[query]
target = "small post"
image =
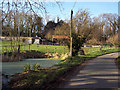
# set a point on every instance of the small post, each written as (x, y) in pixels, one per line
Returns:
(13, 49)
(54, 50)
(63, 50)
(6, 48)
(46, 49)
(37, 47)
(29, 47)
(24, 47)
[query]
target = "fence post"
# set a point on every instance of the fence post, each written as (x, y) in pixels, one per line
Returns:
(6, 48)
(13, 48)
(24, 47)
(54, 50)
(63, 50)
(29, 47)
(37, 47)
(3, 51)
(6, 52)
(46, 49)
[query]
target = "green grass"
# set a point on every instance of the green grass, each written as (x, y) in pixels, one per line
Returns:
(8, 43)
(47, 48)
(41, 48)
(41, 79)
(89, 50)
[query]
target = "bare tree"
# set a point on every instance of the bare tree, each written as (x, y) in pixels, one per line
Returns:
(14, 22)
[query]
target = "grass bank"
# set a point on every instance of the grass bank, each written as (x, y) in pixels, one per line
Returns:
(46, 78)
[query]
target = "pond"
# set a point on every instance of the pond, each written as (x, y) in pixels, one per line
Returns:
(10, 68)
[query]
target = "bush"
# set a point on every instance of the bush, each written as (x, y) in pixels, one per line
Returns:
(27, 67)
(36, 67)
(76, 43)
(82, 52)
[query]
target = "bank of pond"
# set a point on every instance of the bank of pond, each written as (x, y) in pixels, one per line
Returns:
(9, 69)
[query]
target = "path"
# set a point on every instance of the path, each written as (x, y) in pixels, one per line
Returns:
(100, 72)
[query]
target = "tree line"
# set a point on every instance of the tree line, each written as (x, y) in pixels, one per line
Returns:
(22, 24)
(103, 29)
(20, 19)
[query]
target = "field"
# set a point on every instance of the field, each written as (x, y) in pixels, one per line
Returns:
(5, 47)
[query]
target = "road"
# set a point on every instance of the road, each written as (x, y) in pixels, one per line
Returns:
(101, 72)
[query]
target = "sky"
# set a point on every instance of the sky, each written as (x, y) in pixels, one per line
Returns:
(94, 8)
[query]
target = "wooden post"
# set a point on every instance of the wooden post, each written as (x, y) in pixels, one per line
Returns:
(63, 50)
(6, 49)
(37, 47)
(13, 48)
(24, 47)
(29, 47)
(2, 51)
(71, 36)
(19, 48)
(54, 50)
(46, 49)
(6, 52)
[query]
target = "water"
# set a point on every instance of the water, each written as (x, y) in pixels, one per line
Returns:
(10, 68)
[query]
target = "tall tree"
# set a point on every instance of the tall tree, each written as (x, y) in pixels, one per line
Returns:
(82, 22)
(39, 25)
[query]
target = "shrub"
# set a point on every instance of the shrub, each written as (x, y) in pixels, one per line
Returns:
(76, 43)
(36, 66)
(27, 67)
(82, 52)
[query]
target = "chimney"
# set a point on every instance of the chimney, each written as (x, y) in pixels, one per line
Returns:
(57, 19)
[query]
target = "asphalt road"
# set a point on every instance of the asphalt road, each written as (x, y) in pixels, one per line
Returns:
(100, 72)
